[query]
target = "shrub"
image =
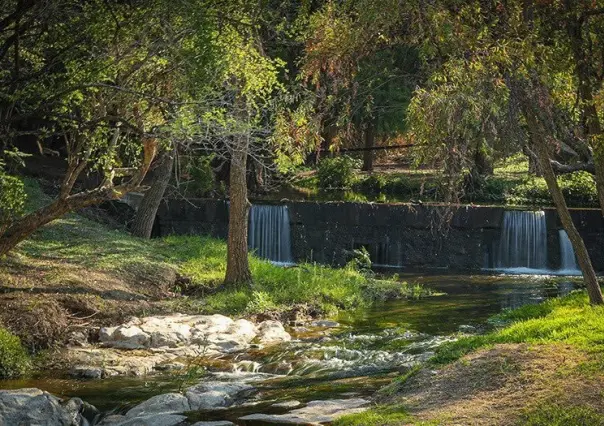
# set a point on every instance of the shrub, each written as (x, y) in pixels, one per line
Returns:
(372, 185)
(403, 186)
(12, 198)
(202, 175)
(336, 172)
(14, 360)
(579, 189)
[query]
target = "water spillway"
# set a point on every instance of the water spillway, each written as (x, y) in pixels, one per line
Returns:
(523, 242)
(568, 261)
(269, 233)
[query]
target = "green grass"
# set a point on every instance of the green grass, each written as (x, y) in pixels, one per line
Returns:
(382, 416)
(89, 245)
(14, 360)
(570, 320)
(562, 415)
(275, 288)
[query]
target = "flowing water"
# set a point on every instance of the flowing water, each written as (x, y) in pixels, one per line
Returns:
(523, 242)
(269, 233)
(568, 260)
(364, 353)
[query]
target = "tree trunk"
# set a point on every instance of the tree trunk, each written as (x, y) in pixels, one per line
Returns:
(27, 225)
(369, 144)
(589, 275)
(593, 127)
(238, 268)
(147, 210)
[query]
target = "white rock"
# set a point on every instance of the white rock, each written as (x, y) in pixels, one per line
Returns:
(213, 395)
(167, 403)
(272, 332)
(315, 412)
(129, 337)
(287, 404)
(218, 423)
(165, 331)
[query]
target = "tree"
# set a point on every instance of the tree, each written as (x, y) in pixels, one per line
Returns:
(142, 225)
(498, 77)
(104, 80)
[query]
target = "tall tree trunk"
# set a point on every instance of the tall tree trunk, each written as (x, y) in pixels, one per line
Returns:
(147, 210)
(593, 127)
(238, 268)
(368, 154)
(542, 148)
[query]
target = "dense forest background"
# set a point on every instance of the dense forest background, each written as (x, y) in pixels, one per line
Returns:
(423, 101)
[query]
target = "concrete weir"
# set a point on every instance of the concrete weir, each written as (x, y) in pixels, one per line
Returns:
(398, 235)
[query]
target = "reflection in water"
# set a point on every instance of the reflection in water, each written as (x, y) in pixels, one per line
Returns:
(370, 347)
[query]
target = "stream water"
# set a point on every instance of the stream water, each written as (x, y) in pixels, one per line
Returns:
(365, 352)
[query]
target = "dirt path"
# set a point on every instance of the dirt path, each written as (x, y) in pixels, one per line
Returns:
(499, 386)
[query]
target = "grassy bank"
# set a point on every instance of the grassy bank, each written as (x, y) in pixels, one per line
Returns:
(542, 365)
(76, 274)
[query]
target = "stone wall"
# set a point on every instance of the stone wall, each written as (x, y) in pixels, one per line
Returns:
(394, 234)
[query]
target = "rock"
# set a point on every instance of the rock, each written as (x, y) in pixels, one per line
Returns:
(270, 331)
(213, 395)
(167, 403)
(166, 331)
(315, 412)
(467, 329)
(148, 420)
(86, 372)
(325, 323)
(218, 423)
(36, 407)
(129, 337)
(287, 404)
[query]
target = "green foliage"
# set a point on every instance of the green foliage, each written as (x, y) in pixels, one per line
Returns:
(579, 190)
(336, 172)
(12, 198)
(373, 184)
(571, 320)
(202, 175)
(563, 415)
(14, 360)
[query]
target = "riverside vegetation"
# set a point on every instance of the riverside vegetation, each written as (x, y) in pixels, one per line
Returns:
(546, 357)
(78, 272)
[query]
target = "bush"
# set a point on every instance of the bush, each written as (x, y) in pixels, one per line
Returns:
(202, 175)
(12, 198)
(404, 187)
(579, 189)
(14, 360)
(336, 172)
(371, 185)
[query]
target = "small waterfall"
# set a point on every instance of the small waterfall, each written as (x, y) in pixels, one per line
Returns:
(568, 261)
(269, 233)
(523, 243)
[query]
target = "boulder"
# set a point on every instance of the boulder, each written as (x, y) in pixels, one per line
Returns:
(167, 403)
(147, 420)
(315, 412)
(271, 331)
(35, 407)
(129, 337)
(213, 395)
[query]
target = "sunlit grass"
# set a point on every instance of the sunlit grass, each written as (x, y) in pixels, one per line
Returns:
(571, 320)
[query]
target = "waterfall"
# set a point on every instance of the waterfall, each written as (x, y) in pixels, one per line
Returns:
(568, 261)
(523, 243)
(269, 233)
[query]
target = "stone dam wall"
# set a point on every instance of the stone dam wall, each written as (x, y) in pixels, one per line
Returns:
(401, 235)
